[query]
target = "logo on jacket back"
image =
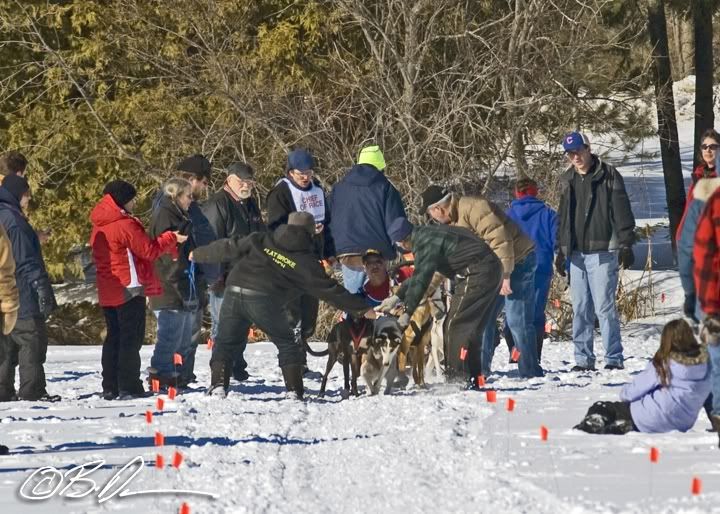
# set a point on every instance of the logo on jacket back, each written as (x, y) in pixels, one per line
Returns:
(280, 259)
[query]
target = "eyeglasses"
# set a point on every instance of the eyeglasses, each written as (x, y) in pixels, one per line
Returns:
(712, 147)
(573, 153)
(304, 173)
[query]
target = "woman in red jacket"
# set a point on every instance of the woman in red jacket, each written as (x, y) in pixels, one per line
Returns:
(124, 256)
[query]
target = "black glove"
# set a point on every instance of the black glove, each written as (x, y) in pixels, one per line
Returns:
(626, 257)
(46, 297)
(560, 264)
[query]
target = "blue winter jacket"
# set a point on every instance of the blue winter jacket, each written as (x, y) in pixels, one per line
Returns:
(655, 408)
(540, 223)
(29, 264)
(362, 206)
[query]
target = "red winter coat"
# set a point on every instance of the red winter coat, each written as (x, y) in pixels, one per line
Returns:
(702, 171)
(124, 253)
(706, 255)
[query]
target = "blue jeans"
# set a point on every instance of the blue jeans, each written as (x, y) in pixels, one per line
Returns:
(520, 317)
(713, 402)
(352, 280)
(593, 284)
(174, 335)
(214, 304)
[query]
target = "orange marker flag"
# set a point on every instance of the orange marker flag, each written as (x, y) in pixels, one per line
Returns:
(155, 385)
(696, 486)
(172, 392)
(515, 354)
(160, 404)
(148, 417)
(543, 433)
(654, 454)
(510, 405)
(184, 509)
(481, 380)
(463, 353)
(491, 396)
(159, 461)
(177, 459)
(159, 439)
(177, 359)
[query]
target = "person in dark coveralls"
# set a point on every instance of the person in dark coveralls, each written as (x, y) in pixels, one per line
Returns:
(456, 253)
(270, 270)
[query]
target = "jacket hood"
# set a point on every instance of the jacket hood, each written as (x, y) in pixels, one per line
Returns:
(293, 238)
(8, 198)
(364, 175)
(705, 187)
(691, 372)
(527, 207)
(107, 211)
(702, 171)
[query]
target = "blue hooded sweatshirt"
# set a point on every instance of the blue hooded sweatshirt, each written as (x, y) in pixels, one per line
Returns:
(540, 223)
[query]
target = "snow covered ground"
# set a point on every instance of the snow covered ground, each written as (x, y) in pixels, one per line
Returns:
(436, 450)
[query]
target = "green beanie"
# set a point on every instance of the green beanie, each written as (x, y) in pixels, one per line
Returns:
(372, 155)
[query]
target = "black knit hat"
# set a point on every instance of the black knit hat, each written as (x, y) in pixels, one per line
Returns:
(120, 191)
(431, 196)
(196, 165)
(302, 219)
(17, 186)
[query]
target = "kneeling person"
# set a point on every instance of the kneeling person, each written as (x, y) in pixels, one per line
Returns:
(269, 271)
(455, 253)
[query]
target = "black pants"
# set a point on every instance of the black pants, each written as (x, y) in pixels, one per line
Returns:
(26, 347)
(476, 291)
(121, 349)
(242, 308)
(608, 418)
(303, 313)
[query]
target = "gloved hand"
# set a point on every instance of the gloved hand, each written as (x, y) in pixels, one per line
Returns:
(8, 321)
(560, 264)
(404, 320)
(626, 257)
(388, 304)
(46, 297)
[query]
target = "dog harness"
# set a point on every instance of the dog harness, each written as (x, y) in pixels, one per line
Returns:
(357, 336)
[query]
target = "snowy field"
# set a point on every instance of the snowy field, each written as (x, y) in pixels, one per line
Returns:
(436, 450)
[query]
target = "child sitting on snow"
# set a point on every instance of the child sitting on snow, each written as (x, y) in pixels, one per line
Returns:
(666, 396)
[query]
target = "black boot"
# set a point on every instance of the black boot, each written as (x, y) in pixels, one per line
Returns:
(219, 376)
(4, 450)
(293, 376)
(539, 343)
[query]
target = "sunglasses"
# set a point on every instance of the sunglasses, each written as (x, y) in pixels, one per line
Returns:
(712, 147)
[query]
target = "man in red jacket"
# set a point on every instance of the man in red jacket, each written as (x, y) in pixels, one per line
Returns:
(706, 255)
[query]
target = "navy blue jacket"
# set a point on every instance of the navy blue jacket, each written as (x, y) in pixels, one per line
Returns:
(29, 264)
(362, 206)
(540, 223)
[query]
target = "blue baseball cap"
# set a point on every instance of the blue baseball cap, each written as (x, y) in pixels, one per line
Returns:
(300, 159)
(575, 141)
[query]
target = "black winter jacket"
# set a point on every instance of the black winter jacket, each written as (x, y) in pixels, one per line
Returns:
(174, 274)
(279, 206)
(30, 273)
(281, 264)
(609, 221)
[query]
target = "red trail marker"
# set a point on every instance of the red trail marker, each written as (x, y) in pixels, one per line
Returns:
(159, 461)
(159, 439)
(654, 454)
(515, 354)
(177, 459)
(148, 417)
(184, 509)
(543, 433)
(491, 396)
(160, 404)
(155, 385)
(510, 405)
(177, 359)
(172, 392)
(696, 486)
(481, 380)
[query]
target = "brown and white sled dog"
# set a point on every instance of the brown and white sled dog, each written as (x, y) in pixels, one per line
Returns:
(347, 342)
(379, 362)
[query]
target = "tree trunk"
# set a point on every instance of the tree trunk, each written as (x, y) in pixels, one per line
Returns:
(704, 116)
(667, 124)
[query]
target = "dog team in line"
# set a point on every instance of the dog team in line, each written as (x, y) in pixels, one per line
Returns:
(406, 289)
